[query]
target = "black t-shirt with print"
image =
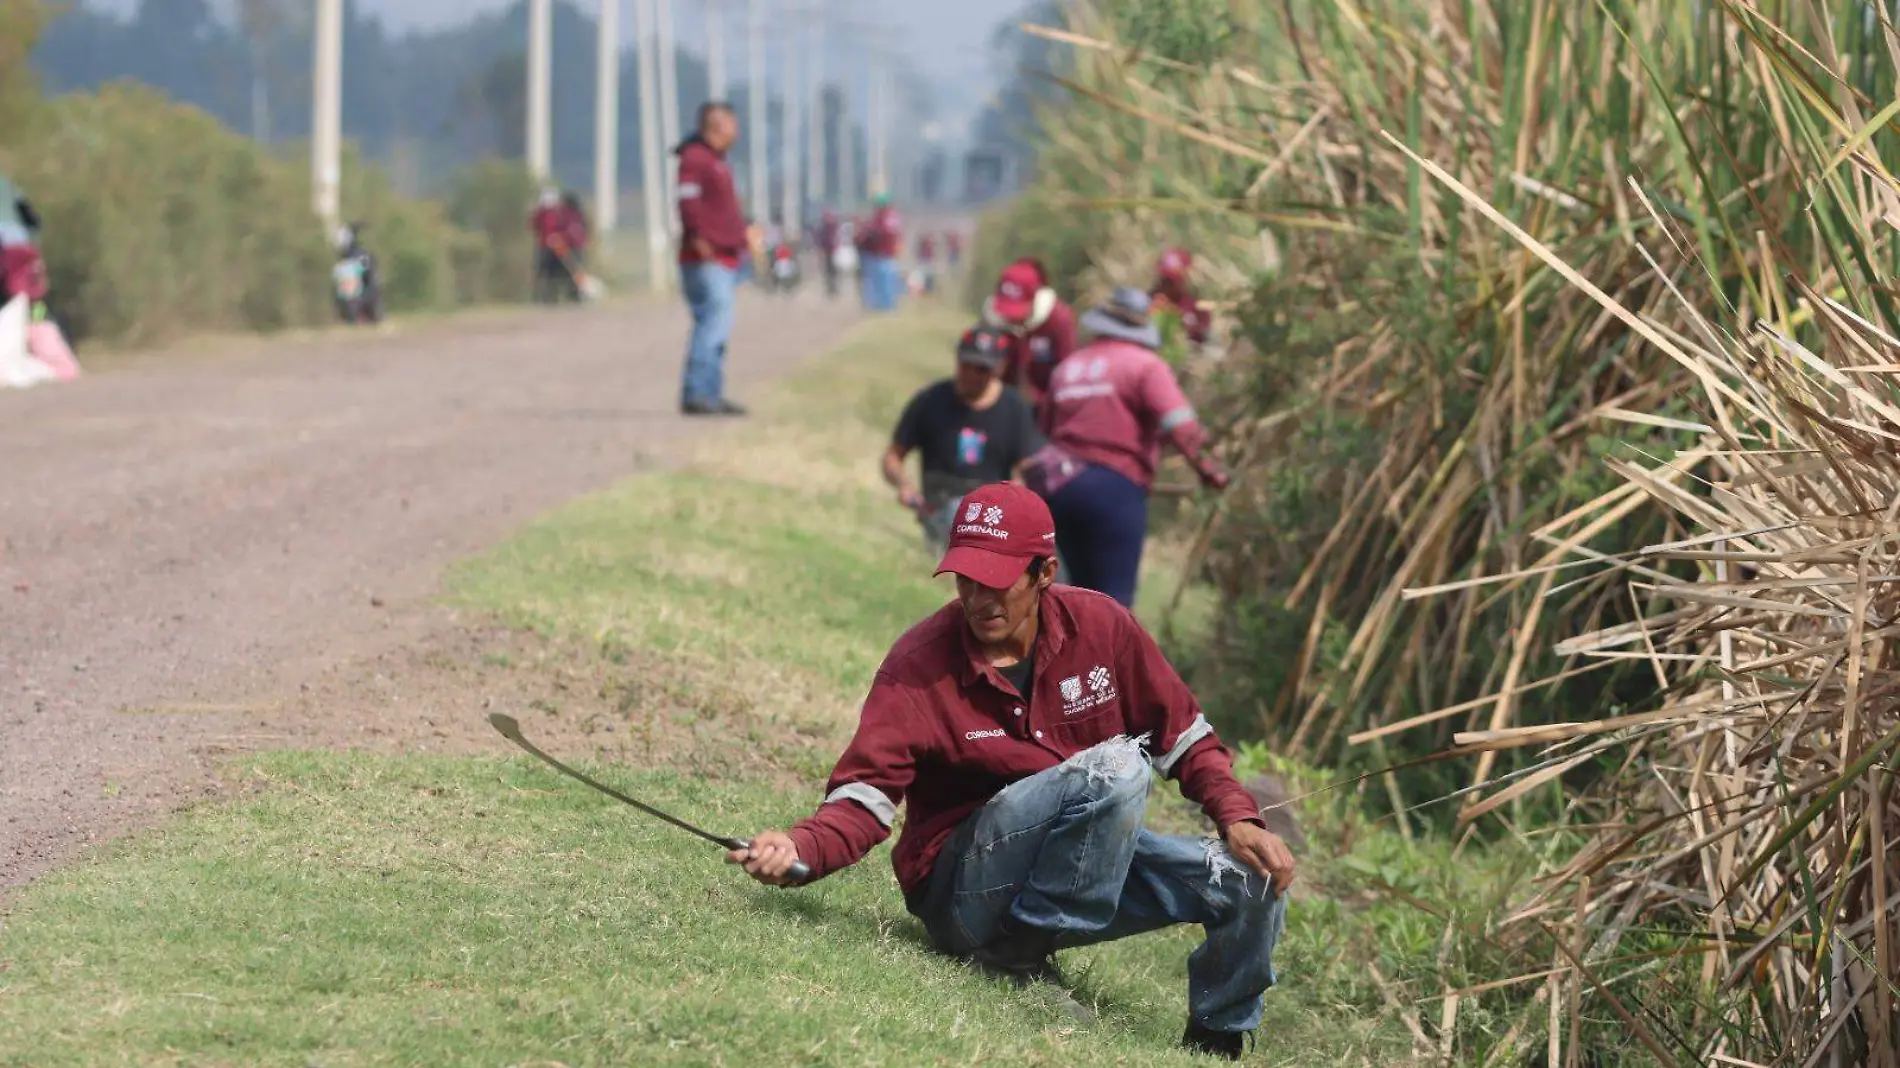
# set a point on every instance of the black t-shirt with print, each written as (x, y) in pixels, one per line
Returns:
(962, 448)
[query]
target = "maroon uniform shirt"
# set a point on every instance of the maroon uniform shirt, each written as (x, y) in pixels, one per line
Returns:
(1113, 403)
(548, 224)
(943, 732)
(1178, 294)
(1033, 355)
(709, 206)
(884, 234)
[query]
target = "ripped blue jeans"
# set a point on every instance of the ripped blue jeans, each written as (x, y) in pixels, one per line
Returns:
(1064, 851)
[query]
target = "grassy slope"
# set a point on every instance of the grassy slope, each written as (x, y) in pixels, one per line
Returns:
(354, 910)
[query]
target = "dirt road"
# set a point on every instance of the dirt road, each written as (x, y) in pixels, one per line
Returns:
(178, 531)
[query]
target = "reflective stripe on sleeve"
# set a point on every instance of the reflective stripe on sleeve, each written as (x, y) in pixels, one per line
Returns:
(871, 798)
(1196, 731)
(1176, 418)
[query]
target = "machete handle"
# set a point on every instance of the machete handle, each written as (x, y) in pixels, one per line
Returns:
(799, 872)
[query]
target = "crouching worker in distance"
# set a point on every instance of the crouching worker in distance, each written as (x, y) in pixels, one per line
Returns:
(1023, 723)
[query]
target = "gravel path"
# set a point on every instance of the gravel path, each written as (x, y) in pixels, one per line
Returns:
(177, 532)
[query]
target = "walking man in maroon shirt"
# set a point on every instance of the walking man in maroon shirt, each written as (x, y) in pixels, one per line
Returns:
(712, 238)
(1023, 724)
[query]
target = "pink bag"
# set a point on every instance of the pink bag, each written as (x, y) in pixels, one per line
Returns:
(1049, 469)
(47, 345)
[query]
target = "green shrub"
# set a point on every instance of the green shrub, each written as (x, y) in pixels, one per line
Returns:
(489, 200)
(159, 220)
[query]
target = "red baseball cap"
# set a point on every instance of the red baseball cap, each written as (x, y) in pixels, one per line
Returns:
(998, 530)
(1016, 291)
(1174, 263)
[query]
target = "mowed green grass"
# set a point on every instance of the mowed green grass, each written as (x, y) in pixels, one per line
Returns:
(348, 909)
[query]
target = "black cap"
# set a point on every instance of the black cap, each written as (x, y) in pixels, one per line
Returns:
(983, 347)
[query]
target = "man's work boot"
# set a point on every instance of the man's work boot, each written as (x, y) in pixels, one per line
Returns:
(1227, 1045)
(1024, 956)
(1020, 953)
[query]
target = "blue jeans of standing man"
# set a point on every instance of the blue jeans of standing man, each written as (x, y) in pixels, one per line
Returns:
(709, 293)
(881, 282)
(1064, 851)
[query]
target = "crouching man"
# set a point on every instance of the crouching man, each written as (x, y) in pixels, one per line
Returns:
(1022, 724)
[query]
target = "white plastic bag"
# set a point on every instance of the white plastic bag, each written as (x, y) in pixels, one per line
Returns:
(18, 369)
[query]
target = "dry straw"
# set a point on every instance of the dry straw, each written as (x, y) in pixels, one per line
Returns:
(1645, 429)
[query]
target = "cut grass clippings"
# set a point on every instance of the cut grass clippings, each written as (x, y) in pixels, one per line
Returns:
(348, 909)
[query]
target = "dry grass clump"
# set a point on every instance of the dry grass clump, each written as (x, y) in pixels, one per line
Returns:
(1753, 831)
(1586, 326)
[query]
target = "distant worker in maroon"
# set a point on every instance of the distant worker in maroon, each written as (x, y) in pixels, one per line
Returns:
(1023, 725)
(1173, 290)
(1041, 324)
(713, 236)
(1111, 405)
(553, 277)
(880, 242)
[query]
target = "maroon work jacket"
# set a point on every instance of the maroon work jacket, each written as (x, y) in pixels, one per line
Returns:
(943, 732)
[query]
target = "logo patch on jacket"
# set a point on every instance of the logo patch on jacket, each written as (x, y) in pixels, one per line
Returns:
(1082, 694)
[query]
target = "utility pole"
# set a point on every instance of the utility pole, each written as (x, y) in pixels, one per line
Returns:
(790, 185)
(884, 89)
(669, 99)
(819, 172)
(326, 126)
(653, 182)
(755, 134)
(877, 104)
(847, 152)
(716, 82)
(607, 119)
(540, 67)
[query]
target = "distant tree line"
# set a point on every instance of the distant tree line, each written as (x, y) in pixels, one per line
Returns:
(423, 103)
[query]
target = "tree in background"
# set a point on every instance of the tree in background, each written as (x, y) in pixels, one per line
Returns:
(265, 24)
(494, 103)
(1006, 129)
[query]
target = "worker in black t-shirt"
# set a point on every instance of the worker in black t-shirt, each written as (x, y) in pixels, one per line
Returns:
(971, 430)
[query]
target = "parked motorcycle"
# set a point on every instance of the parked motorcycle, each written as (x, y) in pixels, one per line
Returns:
(353, 279)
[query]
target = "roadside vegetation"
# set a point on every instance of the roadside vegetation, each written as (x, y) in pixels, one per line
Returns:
(349, 909)
(160, 221)
(1562, 398)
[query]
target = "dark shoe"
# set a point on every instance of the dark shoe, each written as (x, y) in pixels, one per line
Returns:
(720, 406)
(1227, 1045)
(1025, 959)
(1017, 965)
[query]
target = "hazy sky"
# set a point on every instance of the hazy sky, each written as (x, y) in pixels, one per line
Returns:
(949, 38)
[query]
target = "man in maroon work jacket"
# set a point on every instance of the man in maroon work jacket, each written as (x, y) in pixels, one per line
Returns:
(1040, 323)
(712, 238)
(1022, 724)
